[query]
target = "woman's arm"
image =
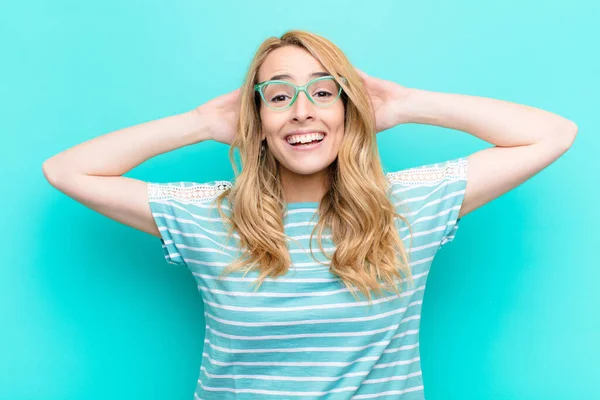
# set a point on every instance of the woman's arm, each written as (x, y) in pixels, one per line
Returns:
(118, 152)
(90, 172)
(526, 139)
(498, 122)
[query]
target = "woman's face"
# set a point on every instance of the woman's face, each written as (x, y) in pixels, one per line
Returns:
(303, 115)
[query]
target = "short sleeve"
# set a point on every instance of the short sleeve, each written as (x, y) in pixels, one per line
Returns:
(181, 211)
(431, 196)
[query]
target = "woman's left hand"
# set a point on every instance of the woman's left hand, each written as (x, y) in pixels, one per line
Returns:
(387, 98)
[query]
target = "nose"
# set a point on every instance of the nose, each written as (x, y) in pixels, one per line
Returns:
(302, 108)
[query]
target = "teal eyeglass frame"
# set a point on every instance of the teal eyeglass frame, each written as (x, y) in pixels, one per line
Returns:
(259, 86)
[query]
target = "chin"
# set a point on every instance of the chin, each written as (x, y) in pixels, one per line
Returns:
(308, 169)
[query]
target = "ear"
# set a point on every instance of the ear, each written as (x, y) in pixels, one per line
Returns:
(263, 135)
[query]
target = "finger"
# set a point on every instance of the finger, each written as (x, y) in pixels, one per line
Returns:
(235, 94)
(361, 73)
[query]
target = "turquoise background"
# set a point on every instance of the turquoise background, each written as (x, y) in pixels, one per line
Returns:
(89, 309)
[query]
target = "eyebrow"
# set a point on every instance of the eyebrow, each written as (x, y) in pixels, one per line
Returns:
(286, 76)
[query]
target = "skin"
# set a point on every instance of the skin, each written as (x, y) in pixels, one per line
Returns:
(303, 173)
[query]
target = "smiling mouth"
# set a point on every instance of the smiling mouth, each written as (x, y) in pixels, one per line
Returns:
(306, 146)
(312, 143)
(300, 144)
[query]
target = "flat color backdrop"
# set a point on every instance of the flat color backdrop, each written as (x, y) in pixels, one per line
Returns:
(89, 309)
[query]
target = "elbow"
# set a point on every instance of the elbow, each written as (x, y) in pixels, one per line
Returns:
(568, 134)
(572, 133)
(51, 171)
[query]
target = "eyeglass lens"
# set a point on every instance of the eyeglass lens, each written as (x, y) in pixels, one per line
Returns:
(323, 92)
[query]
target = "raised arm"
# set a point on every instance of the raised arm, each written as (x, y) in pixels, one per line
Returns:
(91, 172)
(526, 139)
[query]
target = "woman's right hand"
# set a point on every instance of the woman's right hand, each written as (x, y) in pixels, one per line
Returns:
(221, 115)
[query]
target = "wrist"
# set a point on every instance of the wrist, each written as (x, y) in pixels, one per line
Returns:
(413, 107)
(199, 126)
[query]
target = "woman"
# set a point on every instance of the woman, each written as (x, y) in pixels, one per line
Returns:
(288, 254)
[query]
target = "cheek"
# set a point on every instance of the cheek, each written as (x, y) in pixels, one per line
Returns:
(339, 114)
(267, 125)
(272, 124)
(336, 121)
(269, 119)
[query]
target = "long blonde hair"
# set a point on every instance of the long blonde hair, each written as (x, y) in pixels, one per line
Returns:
(356, 208)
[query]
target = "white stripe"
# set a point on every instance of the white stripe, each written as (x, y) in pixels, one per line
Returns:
(288, 393)
(285, 378)
(213, 205)
(305, 363)
(301, 335)
(314, 321)
(436, 201)
(392, 378)
(314, 307)
(389, 392)
(406, 333)
(301, 210)
(432, 217)
(306, 251)
(278, 280)
(314, 335)
(294, 280)
(273, 392)
(196, 235)
(313, 349)
(198, 249)
(309, 378)
(290, 294)
(212, 219)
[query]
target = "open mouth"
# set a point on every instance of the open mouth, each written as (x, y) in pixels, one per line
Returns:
(307, 143)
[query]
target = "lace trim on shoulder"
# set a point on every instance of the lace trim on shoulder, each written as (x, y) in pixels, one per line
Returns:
(197, 193)
(453, 170)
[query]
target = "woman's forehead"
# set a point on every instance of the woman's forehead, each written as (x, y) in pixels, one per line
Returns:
(294, 63)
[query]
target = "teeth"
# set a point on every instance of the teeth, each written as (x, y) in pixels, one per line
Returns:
(305, 138)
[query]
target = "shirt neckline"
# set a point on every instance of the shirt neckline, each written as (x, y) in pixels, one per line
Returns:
(302, 204)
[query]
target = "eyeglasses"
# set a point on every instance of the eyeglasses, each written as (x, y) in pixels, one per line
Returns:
(280, 95)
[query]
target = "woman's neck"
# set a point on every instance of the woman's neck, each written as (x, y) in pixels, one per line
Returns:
(299, 188)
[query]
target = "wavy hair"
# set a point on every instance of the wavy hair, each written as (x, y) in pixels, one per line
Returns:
(357, 208)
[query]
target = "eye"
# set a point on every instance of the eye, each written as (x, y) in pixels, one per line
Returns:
(281, 97)
(326, 94)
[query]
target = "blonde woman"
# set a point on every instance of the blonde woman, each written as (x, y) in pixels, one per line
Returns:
(312, 262)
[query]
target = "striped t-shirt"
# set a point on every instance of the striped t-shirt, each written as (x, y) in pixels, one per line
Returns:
(303, 335)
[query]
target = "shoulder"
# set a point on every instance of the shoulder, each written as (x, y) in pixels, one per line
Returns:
(184, 212)
(430, 174)
(431, 197)
(187, 192)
